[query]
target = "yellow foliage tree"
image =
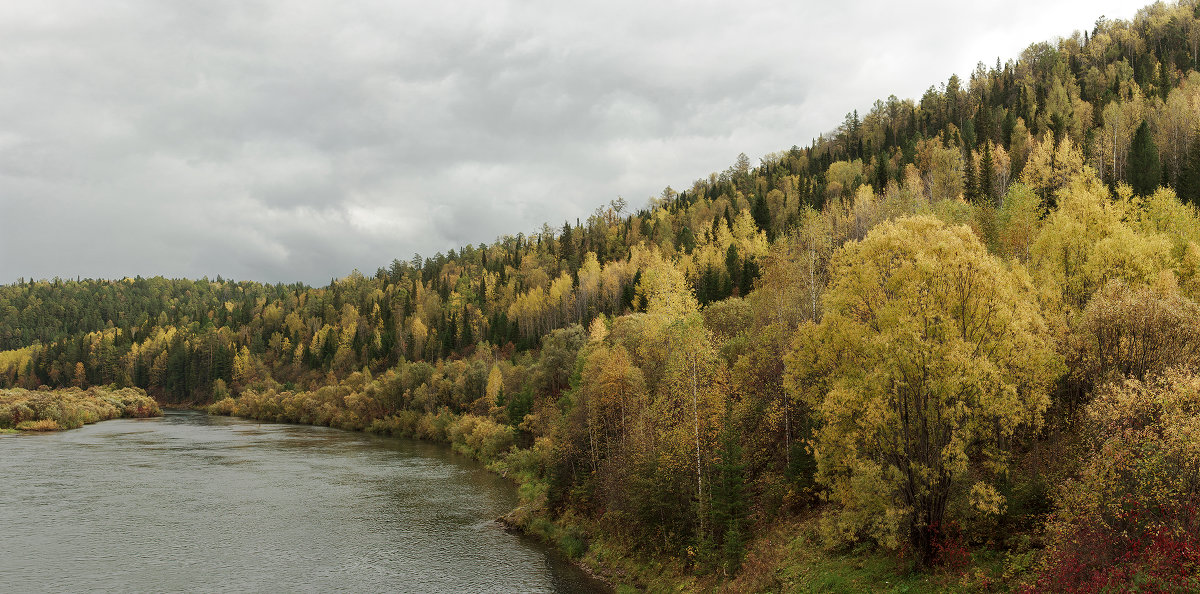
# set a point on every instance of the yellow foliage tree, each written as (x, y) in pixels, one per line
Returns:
(1051, 168)
(1086, 241)
(931, 353)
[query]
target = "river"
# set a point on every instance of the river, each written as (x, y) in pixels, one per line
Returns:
(198, 503)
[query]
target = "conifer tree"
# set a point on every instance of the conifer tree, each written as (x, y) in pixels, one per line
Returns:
(762, 215)
(728, 511)
(881, 170)
(733, 266)
(1189, 177)
(1144, 167)
(986, 174)
(970, 187)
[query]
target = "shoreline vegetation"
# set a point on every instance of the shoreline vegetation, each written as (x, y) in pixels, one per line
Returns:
(476, 437)
(71, 408)
(788, 556)
(473, 436)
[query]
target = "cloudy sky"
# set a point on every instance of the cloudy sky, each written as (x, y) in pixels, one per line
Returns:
(285, 140)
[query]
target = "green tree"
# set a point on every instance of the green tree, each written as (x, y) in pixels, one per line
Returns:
(762, 215)
(1145, 171)
(728, 510)
(1189, 176)
(986, 175)
(733, 266)
(971, 190)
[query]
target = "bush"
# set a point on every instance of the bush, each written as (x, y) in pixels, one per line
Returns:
(1133, 515)
(225, 406)
(46, 410)
(480, 437)
(39, 425)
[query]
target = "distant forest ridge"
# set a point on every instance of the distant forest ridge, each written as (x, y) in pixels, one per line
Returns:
(1113, 94)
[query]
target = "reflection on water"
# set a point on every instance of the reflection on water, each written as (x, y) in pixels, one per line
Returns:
(190, 502)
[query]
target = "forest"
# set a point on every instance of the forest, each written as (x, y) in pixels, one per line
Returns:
(960, 333)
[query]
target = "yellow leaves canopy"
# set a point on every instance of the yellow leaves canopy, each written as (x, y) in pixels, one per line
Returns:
(931, 351)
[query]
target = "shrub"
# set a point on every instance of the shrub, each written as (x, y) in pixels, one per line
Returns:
(1133, 515)
(225, 406)
(39, 425)
(47, 410)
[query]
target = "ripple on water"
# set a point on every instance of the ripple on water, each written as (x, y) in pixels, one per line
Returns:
(196, 503)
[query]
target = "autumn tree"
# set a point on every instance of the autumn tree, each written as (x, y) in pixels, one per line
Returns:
(691, 386)
(1087, 240)
(1134, 331)
(1017, 222)
(1051, 167)
(931, 353)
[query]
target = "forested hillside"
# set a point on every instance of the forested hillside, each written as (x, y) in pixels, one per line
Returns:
(925, 329)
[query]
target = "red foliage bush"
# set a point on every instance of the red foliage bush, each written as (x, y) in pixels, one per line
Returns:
(1158, 552)
(949, 548)
(1131, 521)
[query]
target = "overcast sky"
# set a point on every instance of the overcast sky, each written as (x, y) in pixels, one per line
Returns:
(286, 140)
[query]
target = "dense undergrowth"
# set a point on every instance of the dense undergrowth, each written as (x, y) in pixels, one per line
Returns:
(71, 408)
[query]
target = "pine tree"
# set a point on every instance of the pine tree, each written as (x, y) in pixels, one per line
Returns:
(468, 334)
(733, 267)
(686, 240)
(881, 171)
(566, 243)
(749, 275)
(762, 215)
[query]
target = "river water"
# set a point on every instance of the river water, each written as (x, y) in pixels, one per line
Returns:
(195, 503)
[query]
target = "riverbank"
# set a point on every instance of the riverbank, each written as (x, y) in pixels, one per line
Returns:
(786, 556)
(470, 435)
(271, 506)
(71, 408)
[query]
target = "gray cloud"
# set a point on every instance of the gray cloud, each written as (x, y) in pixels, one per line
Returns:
(284, 141)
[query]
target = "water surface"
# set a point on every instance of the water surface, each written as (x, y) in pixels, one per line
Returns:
(190, 502)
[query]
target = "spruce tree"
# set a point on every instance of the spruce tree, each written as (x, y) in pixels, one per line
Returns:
(1189, 177)
(733, 268)
(881, 171)
(728, 510)
(749, 275)
(986, 174)
(1144, 167)
(468, 334)
(762, 215)
(970, 188)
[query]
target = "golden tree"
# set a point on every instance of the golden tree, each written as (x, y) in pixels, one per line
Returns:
(931, 353)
